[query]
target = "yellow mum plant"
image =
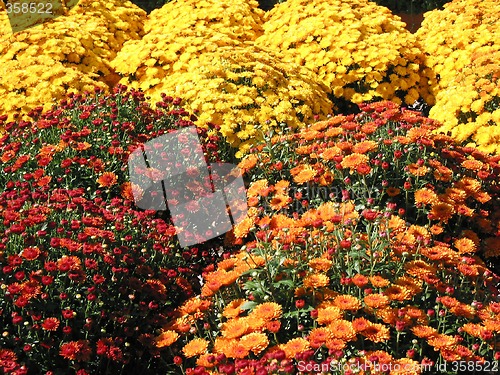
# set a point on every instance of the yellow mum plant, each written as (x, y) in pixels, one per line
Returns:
(179, 32)
(449, 38)
(71, 51)
(357, 48)
(37, 81)
(247, 91)
(469, 107)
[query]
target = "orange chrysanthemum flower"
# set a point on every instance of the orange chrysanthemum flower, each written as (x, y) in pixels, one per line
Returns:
(342, 329)
(167, 338)
(319, 336)
(330, 153)
(347, 302)
(376, 332)
(441, 341)
(255, 324)
(316, 280)
(473, 329)
(237, 350)
(258, 188)
(234, 328)
(248, 162)
(335, 344)
(398, 293)
(412, 284)
(354, 160)
(255, 342)
(233, 308)
(419, 268)
(327, 211)
(369, 128)
(449, 301)
(295, 346)
(437, 252)
(396, 224)
(273, 326)
(206, 360)
(472, 164)
(364, 147)
(282, 186)
(195, 347)
(424, 332)
(378, 281)
(82, 146)
(469, 270)
(359, 280)
(328, 314)
(267, 311)
(464, 310)
(425, 196)
(443, 174)
(320, 264)
(376, 300)
(333, 132)
(279, 201)
(241, 229)
(360, 324)
(465, 245)
(469, 185)
(441, 211)
(126, 191)
(303, 173)
(107, 179)
(417, 170)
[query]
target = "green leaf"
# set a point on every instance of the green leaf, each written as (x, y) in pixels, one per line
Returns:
(249, 305)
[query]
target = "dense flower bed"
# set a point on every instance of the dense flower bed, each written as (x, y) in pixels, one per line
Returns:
(249, 91)
(461, 43)
(179, 33)
(372, 237)
(363, 246)
(86, 277)
(357, 48)
(69, 53)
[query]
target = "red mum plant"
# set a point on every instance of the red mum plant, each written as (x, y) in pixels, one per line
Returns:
(86, 277)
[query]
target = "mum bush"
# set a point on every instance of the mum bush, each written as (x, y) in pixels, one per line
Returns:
(247, 91)
(449, 37)
(87, 277)
(361, 254)
(469, 108)
(357, 48)
(68, 53)
(178, 33)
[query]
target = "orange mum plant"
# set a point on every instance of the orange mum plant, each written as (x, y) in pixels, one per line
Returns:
(368, 246)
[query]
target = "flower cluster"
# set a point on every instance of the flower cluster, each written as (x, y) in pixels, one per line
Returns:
(469, 108)
(86, 277)
(449, 37)
(67, 53)
(248, 91)
(383, 271)
(357, 48)
(179, 32)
